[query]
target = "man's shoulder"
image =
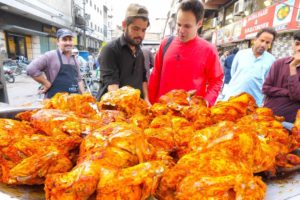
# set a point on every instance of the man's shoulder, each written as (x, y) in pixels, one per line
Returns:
(114, 43)
(206, 46)
(282, 61)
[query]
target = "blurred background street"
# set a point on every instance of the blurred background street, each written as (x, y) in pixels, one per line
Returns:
(23, 91)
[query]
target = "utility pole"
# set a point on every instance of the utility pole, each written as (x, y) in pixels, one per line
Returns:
(84, 26)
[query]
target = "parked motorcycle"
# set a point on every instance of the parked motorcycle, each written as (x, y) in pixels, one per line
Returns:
(91, 84)
(15, 66)
(22, 63)
(8, 74)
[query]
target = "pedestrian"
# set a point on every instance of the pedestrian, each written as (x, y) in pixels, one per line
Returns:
(149, 60)
(251, 66)
(62, 73)
(81, 61)
(189, 62)
(227, 69)
(282, 85)
(223, 58)
(228, 64)
(122, 60)
(91, 61)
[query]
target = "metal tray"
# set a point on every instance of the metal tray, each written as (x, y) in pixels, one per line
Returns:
(287, 188)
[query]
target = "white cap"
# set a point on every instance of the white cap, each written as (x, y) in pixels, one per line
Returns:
(75, 50)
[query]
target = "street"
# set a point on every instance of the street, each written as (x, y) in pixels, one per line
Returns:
(23, 91)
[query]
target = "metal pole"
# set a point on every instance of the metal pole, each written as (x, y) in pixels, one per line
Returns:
(84, 26)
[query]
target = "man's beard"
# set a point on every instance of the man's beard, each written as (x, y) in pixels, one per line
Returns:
(132, 41)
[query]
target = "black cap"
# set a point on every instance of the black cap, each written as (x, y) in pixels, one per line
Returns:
(63, 32)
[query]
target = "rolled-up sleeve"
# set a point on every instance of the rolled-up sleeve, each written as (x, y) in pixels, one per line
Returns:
(37, 66)
(109, 66)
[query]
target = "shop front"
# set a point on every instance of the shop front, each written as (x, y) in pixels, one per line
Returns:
(284, 17)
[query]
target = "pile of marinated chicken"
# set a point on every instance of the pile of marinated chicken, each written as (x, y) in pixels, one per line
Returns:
(120, 148)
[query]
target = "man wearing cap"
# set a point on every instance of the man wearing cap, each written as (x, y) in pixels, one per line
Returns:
(57, 70)
(122, 60)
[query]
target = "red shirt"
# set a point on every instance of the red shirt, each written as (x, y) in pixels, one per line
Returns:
(193, 65)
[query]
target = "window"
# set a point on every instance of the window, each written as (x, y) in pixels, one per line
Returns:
(91, 3)
(98, 9)
(91, 25)
(95, 7)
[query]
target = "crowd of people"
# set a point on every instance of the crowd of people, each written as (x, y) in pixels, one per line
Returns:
(185, 61)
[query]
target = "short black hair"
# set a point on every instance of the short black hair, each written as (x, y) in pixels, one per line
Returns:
(129, 20)
(195, 6)
(297, 35)
(267, 30)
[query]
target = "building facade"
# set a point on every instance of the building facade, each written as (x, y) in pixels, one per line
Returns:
(231, 23)
(27, 27)
(236, 23)
(92, 21)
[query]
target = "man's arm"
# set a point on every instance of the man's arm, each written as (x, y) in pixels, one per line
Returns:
(269, 88)
(44, 82)
(145, 92)
(36, 69)
(81, 87)
(154, 79)
(215, 79)
(109, 68)
(294, 79)
(234, 64)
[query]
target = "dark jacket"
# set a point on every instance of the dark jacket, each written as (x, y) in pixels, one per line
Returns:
(227, 68)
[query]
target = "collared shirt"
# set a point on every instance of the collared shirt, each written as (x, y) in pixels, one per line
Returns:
(248, 74)
(50, 65)
(283, 90)
(192, 65)
(119, 65)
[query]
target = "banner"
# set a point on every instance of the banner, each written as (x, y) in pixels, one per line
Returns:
(282, 17)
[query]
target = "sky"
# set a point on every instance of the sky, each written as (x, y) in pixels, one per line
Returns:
(158, 10)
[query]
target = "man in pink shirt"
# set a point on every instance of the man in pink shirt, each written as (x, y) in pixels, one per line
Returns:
(190, 63)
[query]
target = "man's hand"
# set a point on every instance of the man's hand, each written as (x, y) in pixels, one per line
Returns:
(295, 62)
(148, 102)
(44, 88)
(112, 87)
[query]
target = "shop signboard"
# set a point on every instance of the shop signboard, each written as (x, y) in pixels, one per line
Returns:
(283, 16)
(295, 23)
(257, 21)
(229, 33)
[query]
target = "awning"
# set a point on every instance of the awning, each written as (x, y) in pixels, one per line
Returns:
(22, 30)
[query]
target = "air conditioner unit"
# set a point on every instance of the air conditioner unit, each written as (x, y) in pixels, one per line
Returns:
(239, 7)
